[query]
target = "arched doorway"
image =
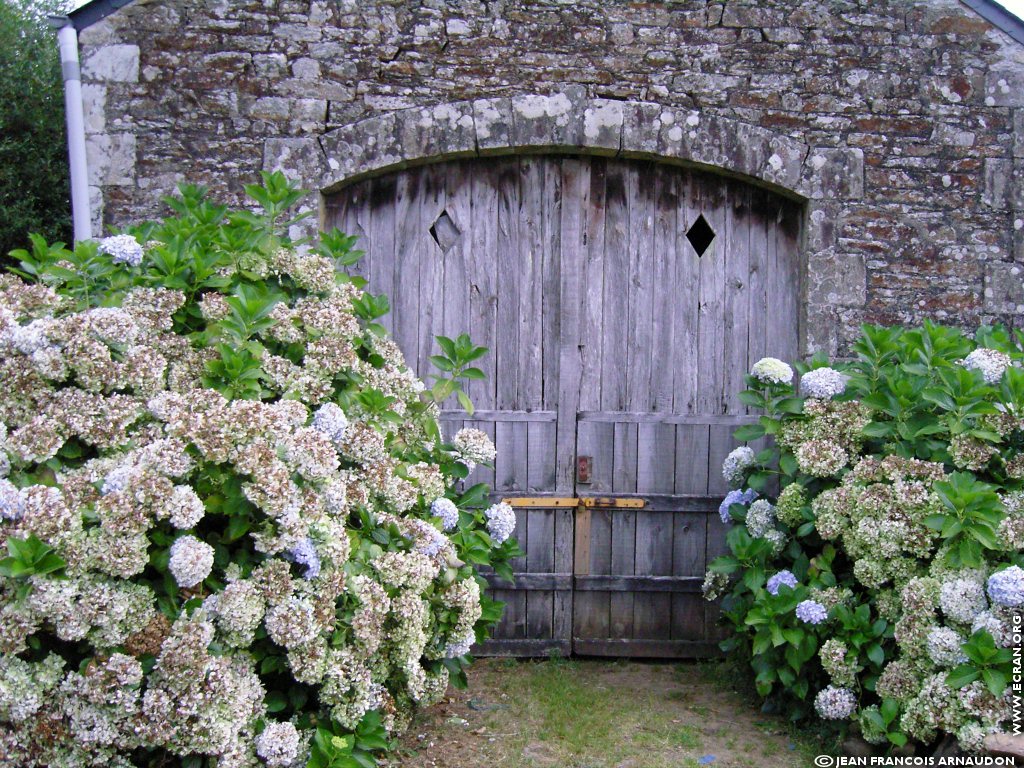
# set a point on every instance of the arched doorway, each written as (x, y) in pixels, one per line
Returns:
(623, 301)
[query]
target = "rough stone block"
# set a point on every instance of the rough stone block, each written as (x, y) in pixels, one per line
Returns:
(300, 159)
(363, 147)
(111, 159)
(821, 330)
(444, 130)
(998, 179)
(94, 105)
(734, 15)
(602, 124)
(837, 279)
(549, 121)
(1018, 237)
(1005, 88)
(834, 173)
(493, 123)
(820, 226)
(1018, 132)
(113, 63)
(642, 125)
(1004, 288)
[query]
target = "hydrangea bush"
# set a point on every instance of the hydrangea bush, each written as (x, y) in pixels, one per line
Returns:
(876, 547)
(234, 534)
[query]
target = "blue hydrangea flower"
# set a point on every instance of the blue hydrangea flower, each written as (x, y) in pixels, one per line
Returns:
(735, 497)
(304, 554)
(12, 503)
(124, 248)
(432, 542)
(780, 578)
(1007, 587)
(811, 612)
(331, 420)
(447, 511)
(501, 522)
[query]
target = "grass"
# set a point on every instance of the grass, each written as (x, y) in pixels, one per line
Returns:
(603, 714)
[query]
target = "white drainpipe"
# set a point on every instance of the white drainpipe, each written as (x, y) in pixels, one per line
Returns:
(67, 37)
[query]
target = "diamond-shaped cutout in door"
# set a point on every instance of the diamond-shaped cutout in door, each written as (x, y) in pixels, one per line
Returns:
(700, 235)
(445, 232)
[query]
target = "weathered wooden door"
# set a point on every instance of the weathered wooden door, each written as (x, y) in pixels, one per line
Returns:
(623, 302)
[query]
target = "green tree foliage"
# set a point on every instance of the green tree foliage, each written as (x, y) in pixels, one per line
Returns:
(34, 179)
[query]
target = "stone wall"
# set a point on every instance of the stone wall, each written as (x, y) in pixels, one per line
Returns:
(907, 119)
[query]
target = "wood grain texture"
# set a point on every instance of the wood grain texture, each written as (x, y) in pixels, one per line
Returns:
(609, 337)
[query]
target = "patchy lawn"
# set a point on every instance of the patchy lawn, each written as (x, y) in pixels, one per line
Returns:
(600, 714)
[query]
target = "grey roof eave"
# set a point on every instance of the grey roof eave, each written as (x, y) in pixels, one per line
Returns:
(93, 11)
(991, 11)
(999, 17)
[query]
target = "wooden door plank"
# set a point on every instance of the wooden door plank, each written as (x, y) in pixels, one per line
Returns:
(595, 439)
(615, 294)
(541, 456)
(761, 255)
(540, 559)
(504, 461)
(508, 286)
(562, 624)
(656, 458)
(576, 187)
(591, 328)
(686, 314)
(652, 611)
(623, 559)
(639, 286)
(430, 317)
(532, 247)
(456, 278)
(590, 610)
(720, 443)
(716, 546)
(624, 450)
(737, 289)
(665, 292)
(408, 254)
(482, 269)
(692, 459)
(382, 205)
(551, 228)
(709, 199)
(689, 559)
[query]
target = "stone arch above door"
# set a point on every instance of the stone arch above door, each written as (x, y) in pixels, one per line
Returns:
(570, 122)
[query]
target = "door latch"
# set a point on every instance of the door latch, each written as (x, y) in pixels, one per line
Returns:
(584, 468)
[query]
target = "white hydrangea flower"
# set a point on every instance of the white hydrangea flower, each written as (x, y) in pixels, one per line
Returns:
(736, 464)
(771, 370)
(191, 561)
(474, 446)
(834, 703)
(823, 383)
(460, 646)
(278, 745)
(962, 599)
(943, 646)
(185, 507)
(292, 623)
(501, 522)
(124, 248)
(760, 518)
(990, 362)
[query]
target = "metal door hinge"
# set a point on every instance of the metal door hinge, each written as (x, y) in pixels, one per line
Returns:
(582, 502)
